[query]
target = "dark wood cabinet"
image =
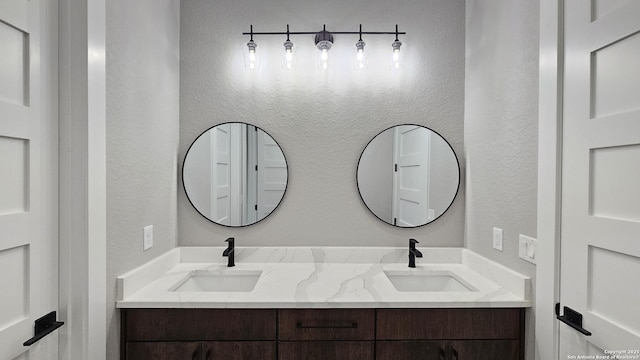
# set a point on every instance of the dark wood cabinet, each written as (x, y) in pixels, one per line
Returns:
(163, 350)
(358, 334)
(326, 324)
(484, 349)
(410, 350)
(470, 334)
(239, 350)
(325, 350)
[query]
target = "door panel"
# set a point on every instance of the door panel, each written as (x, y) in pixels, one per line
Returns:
(411, 180)
(221, 174)
(28, 182)
(272, 174)
(600, 251)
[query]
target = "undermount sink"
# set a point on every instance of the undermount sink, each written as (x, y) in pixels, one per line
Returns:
(207, 281)
(432, 282)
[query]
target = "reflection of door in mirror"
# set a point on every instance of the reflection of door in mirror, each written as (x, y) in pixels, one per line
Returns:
(272, 174)
(235, 174)
(411, 152)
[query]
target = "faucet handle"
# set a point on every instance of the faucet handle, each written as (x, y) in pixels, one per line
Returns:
(231, 241)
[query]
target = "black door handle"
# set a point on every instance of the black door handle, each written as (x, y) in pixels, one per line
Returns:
(43, 327)
(572, 318)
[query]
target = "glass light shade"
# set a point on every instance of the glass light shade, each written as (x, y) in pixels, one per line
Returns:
(395, 57)
(361, 58)
(288, 62)
(251, 58)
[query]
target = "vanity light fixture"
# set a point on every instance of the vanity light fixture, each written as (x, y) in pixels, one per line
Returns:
(361, 60)
(251, 57)
(323, 41)
(395, 58)
(288, 52)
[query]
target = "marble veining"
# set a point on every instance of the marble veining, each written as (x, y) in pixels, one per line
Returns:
(322, 277)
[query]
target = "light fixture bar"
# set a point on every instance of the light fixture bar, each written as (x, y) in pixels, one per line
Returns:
(396, 33)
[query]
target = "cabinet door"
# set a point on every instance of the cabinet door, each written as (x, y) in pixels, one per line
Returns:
(325, 350)
(163, 351)
(401, 350)
(239, 350)
(485, 350)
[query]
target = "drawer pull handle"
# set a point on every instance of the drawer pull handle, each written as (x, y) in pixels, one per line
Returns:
(332, 325)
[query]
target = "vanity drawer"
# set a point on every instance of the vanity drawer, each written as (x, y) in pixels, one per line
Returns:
(412, 324)
(435, 324)
(326, 350)
(326, 324)
(199, 324)
(486, 323)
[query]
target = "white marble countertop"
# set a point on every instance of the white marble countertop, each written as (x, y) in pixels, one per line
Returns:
(322, 277)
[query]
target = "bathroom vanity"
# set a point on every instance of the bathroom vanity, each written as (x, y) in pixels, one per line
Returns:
(322, 303)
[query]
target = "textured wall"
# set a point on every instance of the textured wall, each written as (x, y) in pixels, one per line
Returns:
(142, 137)
(500, 129)
(322, 120)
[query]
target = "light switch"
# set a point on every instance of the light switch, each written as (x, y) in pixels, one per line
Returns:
(147, 238)
(527, 248)
(531, 250)
(497, 239)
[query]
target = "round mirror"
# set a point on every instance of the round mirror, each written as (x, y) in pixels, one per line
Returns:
(408, 175)
(234, 174)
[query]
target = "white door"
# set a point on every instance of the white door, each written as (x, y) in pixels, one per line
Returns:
(411, 180)
(251, 179)
(28, 176)
(600, 236)
(272, 174)
(221, 174)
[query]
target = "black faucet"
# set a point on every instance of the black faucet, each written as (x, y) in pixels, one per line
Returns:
(229, 252)
(413, 252)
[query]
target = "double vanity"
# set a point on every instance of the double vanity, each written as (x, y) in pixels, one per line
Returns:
(322, 303)
(353, 303)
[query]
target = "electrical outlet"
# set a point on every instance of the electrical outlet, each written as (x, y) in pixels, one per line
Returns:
(527, 248)
(497, 239)
(147, 238)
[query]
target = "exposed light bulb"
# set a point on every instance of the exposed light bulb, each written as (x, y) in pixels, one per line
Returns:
(395, 58)
(324, 40)
(324, 55)
(361, 61)
(251, 59)
(288, 55)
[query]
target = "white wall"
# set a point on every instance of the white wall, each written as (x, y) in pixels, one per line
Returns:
(500, 130)
(142, 137)
(322, 121)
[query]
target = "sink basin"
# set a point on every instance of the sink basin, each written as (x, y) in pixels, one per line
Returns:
(203, 280)
(431, 282)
